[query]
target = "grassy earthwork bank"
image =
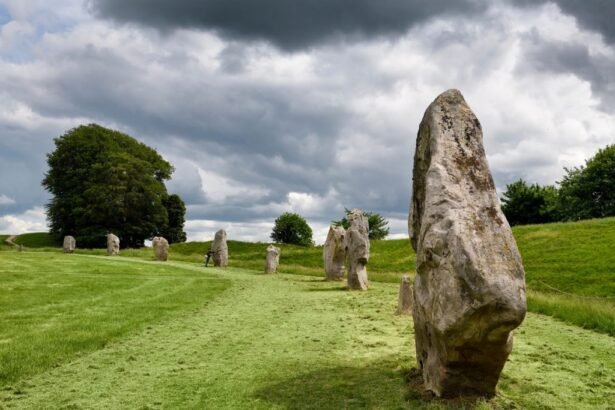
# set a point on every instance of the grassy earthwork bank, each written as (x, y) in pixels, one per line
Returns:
(85, 331)
(570, 267)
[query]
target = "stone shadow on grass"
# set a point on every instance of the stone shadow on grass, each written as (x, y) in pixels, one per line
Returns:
(337, 288)
(375, 386)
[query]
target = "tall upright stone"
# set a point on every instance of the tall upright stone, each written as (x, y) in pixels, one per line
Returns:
(469, 290)
(220, 249)
(272, 260)
(161, 248)
(334, 253)
(113, 245)
(404, 300)
(357, 250)
(69, 244)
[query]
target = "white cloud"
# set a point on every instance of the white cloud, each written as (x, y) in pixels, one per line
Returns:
(32, 220)
(219, 188)
(5, 200)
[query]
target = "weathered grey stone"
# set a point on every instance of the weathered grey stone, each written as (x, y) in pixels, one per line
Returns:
(469, 290)
(113, 245)
(357, 250)
(272, 260)
(69, 244)
(161, 248)
(219, 249)
(404, 301)
(334, 253)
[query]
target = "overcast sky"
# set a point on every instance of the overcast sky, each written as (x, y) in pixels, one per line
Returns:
(304, 106)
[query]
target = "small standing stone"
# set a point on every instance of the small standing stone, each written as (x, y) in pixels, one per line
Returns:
(220, 249)
(357, 250)
(113, 245)
(161, 248)
(334, 253)
(273, 259)
(404, 302)
(69, 244)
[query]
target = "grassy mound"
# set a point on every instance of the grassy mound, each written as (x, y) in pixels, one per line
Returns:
(36, 240)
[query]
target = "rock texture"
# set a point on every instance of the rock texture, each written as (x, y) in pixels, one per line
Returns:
(469, 291)
(161, 248)
(69, 244)
(272, 260)
(357, 250)
(219, 249)
(113, 245)
(404, 301)
(334, 253)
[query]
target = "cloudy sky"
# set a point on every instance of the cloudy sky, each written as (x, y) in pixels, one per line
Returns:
(306, 106)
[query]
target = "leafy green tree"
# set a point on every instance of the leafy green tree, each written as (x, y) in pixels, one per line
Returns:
(292, 228)
(529, 204)
(589, 191)
(378, 228)
(176, 211)
(102, 180)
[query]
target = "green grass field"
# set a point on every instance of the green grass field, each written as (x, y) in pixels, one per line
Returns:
(85, 332)
(570, 267)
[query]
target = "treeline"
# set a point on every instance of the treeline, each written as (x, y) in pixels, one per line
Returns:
(584, 192)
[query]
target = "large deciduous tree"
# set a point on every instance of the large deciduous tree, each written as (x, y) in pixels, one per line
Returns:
(292, 228)
(589, 191)
(103, 180)
(529, 204)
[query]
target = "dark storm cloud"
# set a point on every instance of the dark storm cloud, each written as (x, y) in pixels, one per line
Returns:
(287, 24)
(573, 58)
(595, 15)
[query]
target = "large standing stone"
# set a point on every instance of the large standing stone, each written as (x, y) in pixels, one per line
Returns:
(469, 290)
(161, 248)
(272, 260)
(69, 244)
(334, 253)
(113, 245)
(219, 249)
(404, 301)
(357, 250)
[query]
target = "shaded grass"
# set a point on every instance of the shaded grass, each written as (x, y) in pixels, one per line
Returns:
(289, 342)
(36, 240)
(53, 307)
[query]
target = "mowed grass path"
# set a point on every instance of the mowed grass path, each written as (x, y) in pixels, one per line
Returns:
(53, 307)
(276, 341)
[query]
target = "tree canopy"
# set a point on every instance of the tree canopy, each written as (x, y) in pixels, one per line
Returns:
(103, 180)
(292, 228)
(589, 191)
(378, 228)
(529, 204)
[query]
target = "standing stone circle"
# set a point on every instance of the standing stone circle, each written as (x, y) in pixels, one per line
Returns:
(272, 260)
(469, 290)
(357, 250)
(334, 253)
(113, 245)
(220, 249)
(69, 244)
(404, 301)
(161, 248)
